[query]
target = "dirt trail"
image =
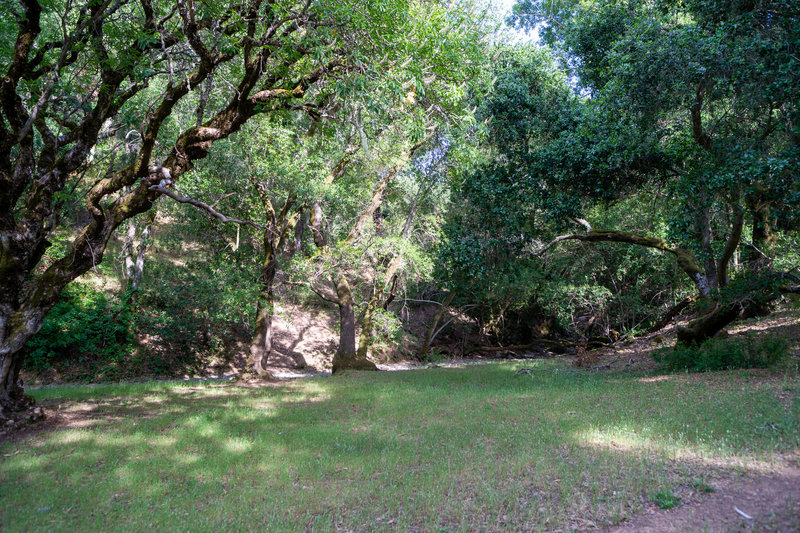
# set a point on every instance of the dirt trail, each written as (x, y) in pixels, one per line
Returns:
(772, 501)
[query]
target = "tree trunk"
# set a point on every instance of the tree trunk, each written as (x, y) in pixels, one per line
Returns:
(730, 246)
(261, 345)
(16, 327)
(703, 223)
(762, 235)
(279, 225)
(346, 357)
(127, 251)
(704, 327)
(12, 395)
(426, 344)
(315, 221)
(365, 338)
(144, 240)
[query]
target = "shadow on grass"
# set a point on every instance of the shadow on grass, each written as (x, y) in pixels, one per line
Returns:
(458, 449)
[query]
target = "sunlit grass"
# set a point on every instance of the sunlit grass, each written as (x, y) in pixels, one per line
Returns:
(452, 449)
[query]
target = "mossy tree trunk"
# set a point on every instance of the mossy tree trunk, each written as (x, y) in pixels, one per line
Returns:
(261, 344)
(365, 337)
(346, 356)
(277, 238)
(706, 326)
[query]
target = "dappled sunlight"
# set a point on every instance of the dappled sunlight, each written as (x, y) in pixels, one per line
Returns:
(164, 441)
(631, 442)
(188, 458)
(309, 392)
(545, 447)
(237, 445)
(654, 379)
(204, 427)
(73, 437)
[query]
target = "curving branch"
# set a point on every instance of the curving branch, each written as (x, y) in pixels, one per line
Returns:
(205, 207)
(686, 261)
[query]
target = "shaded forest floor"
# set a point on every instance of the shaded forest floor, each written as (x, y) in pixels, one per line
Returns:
(634, 355)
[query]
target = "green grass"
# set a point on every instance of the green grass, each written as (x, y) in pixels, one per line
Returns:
(463, 449)
(666, 500)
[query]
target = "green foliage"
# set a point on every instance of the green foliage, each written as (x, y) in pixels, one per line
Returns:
(666, 499)
(724, 354)
(386, 326)
(85, 330)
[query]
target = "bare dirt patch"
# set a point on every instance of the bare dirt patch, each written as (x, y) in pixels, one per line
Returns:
(768, 503)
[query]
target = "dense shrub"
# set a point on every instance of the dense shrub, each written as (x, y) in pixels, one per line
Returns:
(86, 330)
(724, 354)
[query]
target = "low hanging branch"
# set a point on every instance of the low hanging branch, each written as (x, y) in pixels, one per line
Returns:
(686, 260)
(205, 207)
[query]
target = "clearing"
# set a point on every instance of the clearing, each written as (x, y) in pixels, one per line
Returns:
(484, 447)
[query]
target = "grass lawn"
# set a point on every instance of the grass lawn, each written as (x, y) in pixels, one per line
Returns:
(474, 448)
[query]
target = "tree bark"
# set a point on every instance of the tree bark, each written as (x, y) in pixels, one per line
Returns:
(762, 235)
(672, 313)
(127, 251)
(730, 246)
(346, 357)
(365, 337)
(261, 344)
(315, 221)
(703, 226)
(134, 264)
(279, 227)
(706, 326)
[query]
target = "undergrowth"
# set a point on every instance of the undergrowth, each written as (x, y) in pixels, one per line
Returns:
(724, 354)
(85, 330)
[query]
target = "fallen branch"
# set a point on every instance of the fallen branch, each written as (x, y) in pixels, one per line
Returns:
(789, 289)
(606, 365)
(561, 345)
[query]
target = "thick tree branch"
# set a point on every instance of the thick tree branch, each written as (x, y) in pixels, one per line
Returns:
(377, 196)
(686, 261)
(205, 207)
(730, 246)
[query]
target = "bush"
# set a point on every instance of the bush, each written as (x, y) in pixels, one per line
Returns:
(84, 329)
(724, 354)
